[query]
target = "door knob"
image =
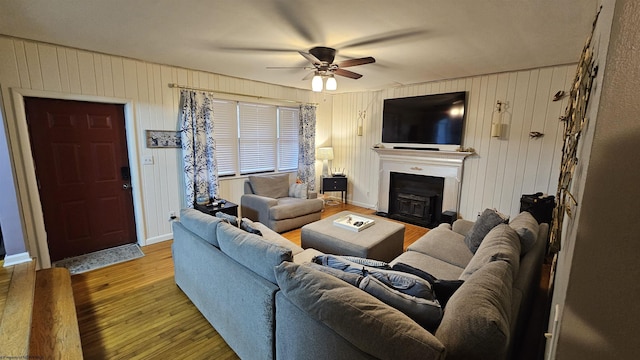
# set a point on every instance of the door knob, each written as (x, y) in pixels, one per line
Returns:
(126, 186)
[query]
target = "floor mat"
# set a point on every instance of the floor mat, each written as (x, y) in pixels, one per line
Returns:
(100, 259)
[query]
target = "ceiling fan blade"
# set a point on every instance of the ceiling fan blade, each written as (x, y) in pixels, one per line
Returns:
(312, 59)
(392, 36)
(252, 49)
(356, 62)
(288, 67)
(347, 73)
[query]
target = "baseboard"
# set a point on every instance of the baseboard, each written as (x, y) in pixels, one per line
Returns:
(16, 259)
(158, 239)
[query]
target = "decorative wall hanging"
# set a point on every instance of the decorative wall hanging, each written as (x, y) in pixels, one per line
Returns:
(574, 119)
(163, 139)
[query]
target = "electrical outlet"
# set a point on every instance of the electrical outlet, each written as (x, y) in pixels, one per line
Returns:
(147, 160)
(172, 215)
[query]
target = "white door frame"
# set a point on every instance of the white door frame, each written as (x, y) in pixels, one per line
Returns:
(28, 194)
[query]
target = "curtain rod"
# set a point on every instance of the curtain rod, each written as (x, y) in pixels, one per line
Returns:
(177, 86)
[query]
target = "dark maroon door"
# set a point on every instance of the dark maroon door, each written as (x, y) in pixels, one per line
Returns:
(80, 154)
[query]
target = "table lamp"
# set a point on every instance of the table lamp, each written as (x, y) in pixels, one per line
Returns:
(325, 154)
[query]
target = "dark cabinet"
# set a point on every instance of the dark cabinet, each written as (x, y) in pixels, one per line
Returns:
(335, 183)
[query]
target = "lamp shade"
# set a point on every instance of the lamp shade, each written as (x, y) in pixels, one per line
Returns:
(324, 153)
(316, 83)
(331, 84)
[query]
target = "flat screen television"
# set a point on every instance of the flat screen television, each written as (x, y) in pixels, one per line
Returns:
(427, 121)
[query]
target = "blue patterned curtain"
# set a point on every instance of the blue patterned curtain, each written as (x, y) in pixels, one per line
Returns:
(198, 146)
(307, 146)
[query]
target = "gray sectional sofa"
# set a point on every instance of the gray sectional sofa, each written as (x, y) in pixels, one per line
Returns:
(265, 299)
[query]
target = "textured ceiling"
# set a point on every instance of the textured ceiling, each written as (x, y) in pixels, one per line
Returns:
(413, 41)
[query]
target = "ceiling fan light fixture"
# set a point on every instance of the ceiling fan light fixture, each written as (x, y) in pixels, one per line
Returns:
(316, 83)
(331, 84)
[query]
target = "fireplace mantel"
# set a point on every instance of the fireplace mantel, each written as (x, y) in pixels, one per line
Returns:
(445, 164)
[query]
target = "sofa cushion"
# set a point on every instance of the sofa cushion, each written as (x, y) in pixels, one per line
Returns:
(200, 224)
(273, 186)
(231, 219)
(501, 242)
(425, 311)
(297, 190)
(306, 256)
(435, 267)
(444, 244)
(476, 321)
(272, 236)
(289, 208)
(485, 222)
(252, 251)
(526, 226)
(370, 325)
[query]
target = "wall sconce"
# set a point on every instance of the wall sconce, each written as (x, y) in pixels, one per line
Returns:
(496, 120)
(362, 114)
(325, 154)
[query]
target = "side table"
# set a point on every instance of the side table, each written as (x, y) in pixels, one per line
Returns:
(335, 183)
(226, 207)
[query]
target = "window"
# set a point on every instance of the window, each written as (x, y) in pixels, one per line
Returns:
(288, 129)
(253, 138)
(257, 129)
(225, 135)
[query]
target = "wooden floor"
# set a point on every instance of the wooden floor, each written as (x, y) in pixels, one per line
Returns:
(134, 310)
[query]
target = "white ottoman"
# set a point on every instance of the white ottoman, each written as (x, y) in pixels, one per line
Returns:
(383, 240)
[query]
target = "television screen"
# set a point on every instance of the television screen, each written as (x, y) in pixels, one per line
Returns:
(429, 119)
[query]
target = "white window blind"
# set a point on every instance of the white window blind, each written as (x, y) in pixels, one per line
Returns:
(257, 126)
(288, 138)
(225, 134)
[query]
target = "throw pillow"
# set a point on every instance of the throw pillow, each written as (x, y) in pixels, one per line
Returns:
(352, 279)
(297, 190)
(425, 311)
(526, 226)
(405, 283)
(489, 219)
(273, 186)
(368, 262)
(443, 289)
(227, 218)
(249, 228)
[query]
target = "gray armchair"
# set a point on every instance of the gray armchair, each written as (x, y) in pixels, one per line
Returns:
(281, 206)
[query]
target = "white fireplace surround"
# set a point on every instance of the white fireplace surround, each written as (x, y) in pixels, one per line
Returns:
(444, 164)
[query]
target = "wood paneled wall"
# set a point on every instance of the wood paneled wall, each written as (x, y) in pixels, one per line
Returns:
(503, 169)
(58, 70)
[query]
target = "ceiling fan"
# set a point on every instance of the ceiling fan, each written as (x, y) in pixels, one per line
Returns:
(321, 59)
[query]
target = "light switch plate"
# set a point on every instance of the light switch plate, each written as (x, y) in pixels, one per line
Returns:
(147, 160)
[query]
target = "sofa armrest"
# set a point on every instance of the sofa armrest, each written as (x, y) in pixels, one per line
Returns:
(462, 226)
(256, 207)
